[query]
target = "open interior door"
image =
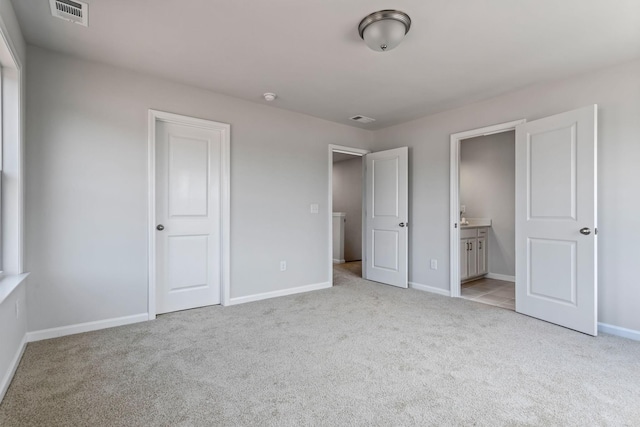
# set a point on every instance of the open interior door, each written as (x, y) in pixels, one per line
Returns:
(387, 210)
(556, 219)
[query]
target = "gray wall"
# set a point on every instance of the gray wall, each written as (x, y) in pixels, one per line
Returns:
(347, 197)
(86, 184)
(12, 329)
(87, 188)
(617, 92)
(487, 189)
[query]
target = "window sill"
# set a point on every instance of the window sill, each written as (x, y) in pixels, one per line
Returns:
(9, 283)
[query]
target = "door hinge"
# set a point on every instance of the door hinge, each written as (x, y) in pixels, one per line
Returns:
(595, 231)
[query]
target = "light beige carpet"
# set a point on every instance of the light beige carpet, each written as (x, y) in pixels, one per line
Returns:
(357, 354)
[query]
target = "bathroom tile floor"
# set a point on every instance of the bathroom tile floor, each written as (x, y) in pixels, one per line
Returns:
(490, 291)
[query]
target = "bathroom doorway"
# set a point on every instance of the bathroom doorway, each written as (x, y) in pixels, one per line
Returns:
(556, 249)
(484, 203)
(487, 223)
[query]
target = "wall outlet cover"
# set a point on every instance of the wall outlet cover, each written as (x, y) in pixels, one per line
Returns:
(434, 264)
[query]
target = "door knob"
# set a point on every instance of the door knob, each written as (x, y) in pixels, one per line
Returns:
(402, 224)
(160, 227)
(586, 231)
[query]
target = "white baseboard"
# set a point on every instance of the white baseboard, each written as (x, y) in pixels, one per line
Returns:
(339, 261)
(4, 385)
(46, 334)
(428, 288)
(501, 277)
(619, 331)
(280, 293)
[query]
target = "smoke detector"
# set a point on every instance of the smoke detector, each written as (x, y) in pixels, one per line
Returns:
(72, 11)
(269, 96)
(362, 119)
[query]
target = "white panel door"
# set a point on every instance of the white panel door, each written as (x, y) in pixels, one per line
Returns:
(387, 210)
(556, 243)
(188, 233)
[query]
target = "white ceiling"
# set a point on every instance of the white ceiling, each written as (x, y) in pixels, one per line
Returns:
(310, 54)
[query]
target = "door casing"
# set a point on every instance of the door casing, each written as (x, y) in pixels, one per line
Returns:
(156, 116)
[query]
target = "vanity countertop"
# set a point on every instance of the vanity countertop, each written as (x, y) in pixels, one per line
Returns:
(476, 223)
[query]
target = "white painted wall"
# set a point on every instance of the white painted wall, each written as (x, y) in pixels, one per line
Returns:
(87, 188)
(347, 197)
(617, 92)
(12, 328)
(487, 189)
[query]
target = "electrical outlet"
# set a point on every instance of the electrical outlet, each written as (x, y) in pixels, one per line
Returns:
(463, 208)
(17, 309)
(283, 265)
(314, 208)
(434, 264)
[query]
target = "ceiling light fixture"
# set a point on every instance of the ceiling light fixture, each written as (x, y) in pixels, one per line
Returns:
(385, 29)
(269, 96)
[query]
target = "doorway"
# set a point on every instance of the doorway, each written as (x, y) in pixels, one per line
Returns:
(465, 243)
(487, 219)
(555, 218)
(346, 208)
(385, 214)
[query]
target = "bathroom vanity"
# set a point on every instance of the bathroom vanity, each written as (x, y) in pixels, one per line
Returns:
(474, 250)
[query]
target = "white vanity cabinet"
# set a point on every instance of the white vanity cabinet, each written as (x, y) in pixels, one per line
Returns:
(474, 260)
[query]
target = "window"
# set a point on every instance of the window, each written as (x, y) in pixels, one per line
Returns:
(11, 152)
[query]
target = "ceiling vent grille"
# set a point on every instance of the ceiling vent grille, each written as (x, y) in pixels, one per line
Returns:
(69, 10)
(362, 119)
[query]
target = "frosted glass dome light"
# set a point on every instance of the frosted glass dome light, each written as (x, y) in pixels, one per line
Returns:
(385, 29)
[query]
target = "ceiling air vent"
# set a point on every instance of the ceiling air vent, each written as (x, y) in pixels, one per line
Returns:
(69, 10)
(362, 119)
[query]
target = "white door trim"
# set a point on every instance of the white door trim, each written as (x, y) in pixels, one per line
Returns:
(225, 214)
(454, 242)
(356, 152)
